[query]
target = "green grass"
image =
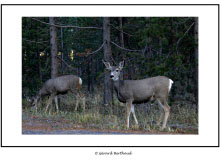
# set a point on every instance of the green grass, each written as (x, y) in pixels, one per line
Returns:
(183, 115)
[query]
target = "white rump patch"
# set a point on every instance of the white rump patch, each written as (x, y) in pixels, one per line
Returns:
(170, 84)
(80, 81)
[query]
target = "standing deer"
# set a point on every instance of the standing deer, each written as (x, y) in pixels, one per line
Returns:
(140, 91)
(60, 85)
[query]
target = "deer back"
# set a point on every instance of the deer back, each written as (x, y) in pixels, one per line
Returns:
(61, 84)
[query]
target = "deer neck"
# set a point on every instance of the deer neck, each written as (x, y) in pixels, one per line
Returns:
(118, 85)
(119, 88)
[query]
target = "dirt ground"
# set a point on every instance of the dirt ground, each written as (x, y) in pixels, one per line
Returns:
(37, 125)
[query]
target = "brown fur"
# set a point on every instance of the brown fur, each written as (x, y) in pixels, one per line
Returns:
(56, 86)
(140, 91)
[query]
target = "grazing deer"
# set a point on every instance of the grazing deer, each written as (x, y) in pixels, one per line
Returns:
(60, 85)
(140, 91)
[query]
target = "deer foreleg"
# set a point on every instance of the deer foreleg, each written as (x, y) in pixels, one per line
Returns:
(49, 102)
(56, 102)
(128, 104)
(133, 112)
(36, 105)
(84, 103)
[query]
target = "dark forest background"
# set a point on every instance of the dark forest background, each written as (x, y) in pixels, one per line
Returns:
(150, 46)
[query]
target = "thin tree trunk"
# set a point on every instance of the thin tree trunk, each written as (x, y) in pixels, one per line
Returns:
(122, 53)
(90, 75)
(62, 51)
(121, 37)
(53, 43)
(108, 89)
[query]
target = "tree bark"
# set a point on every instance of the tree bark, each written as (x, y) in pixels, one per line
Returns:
(53, 45)
(108, 89)
(122, 54)
(121, 37)
(90, 75)
(62, 54)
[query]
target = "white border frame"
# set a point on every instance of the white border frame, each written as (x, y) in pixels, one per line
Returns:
(208, 76)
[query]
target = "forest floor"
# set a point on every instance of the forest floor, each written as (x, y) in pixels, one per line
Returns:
(34, 124)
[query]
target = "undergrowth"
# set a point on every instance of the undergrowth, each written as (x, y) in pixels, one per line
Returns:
(183, 114)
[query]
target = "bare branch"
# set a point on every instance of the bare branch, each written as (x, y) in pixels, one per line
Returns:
(183, 37)
(121, 30)
(184, 21)
(30, 41)
(98, 49)
(89, 55)
(65, 26)
(65, 62)
(113, 61)
(130, 50)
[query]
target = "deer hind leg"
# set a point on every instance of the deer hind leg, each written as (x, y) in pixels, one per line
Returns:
(128, 104)
(133, 112)
(49, 102)
(161, 112)
(77, 102)
(167, 112)
(166, 108)
(56, 102)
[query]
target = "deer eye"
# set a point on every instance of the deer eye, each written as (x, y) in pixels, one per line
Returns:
(117, 70)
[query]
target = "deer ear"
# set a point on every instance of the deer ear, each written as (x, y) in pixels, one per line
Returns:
(107, 65)
(121, 64)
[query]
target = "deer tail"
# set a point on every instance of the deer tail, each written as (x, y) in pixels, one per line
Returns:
(79, 83)
(170, 84)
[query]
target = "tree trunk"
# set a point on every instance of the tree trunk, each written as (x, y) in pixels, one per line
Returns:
(108, 89)
(53, 45)
(122, 53)
(90, 75)
(62, 51)
(121, 37)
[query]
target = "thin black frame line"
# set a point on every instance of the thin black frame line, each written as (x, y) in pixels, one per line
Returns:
(114, 146)
(110, 5)
(218, 76)
(1, 75)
